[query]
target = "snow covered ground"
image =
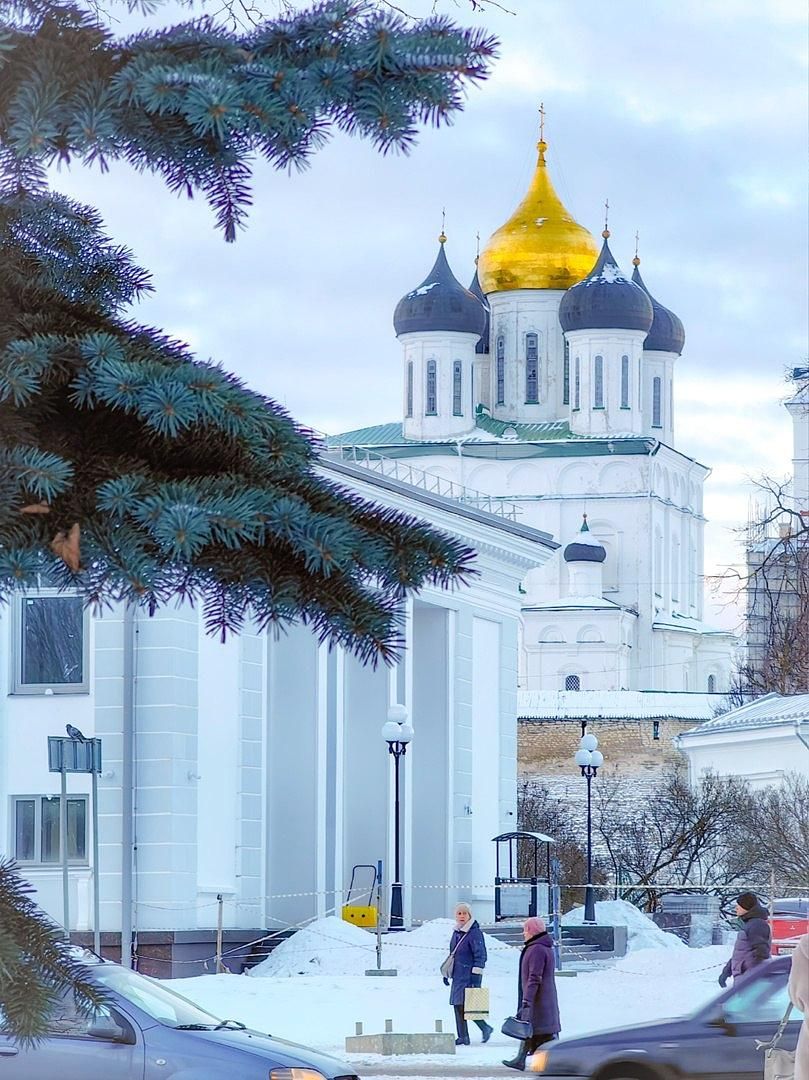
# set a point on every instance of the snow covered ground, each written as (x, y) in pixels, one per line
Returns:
(313, 989)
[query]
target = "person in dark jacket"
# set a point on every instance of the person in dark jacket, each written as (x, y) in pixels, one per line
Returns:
(753, 942)
(538, 1003)
(467, 948)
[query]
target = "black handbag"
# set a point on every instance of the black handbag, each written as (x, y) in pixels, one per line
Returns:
(517, 1029)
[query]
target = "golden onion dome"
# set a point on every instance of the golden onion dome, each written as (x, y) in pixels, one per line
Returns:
(540, 246)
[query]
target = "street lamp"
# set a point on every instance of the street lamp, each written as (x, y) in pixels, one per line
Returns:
(397, 733)
(589, 759)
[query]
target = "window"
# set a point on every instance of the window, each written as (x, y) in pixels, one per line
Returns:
(531, 369)
(711, 684)
(431, 401)
(566, 376)
(37, 827)
(624, 382)
(50, 635)
(763, 1001)
(671, 404)
(500, 371)
(656, 730)
(457, 386)
(598, 383)
(409, 390)
(572, 682)
(657, 403)
(577, 385)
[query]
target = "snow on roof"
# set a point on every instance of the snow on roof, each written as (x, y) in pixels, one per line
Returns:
(772, 710)
(689, 626)
(573, 603)
(615, 705)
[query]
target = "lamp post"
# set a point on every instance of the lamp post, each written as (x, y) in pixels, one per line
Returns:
(589, 759)
(397, 733)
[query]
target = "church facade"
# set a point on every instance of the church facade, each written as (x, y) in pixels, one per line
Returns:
(549, 383)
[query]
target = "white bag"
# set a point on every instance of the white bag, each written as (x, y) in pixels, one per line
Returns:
(778, 1064)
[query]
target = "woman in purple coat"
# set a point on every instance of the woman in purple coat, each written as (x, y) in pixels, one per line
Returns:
(538, 1003)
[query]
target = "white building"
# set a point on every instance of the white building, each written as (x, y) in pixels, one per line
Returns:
(256, 769)
(762, 741)
(548, 383)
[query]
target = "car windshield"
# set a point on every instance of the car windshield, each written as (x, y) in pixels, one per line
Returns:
(152, 998)
(764, 999)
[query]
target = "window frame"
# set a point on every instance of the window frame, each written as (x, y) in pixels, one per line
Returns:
(657, 402)
(38, 801)
(626, 389)
(20, 688)
(573, 679)
(409, 391)
(532, 372)
(457, 388)
(598, 382)
(431, 388)
(500, 370)
(566, 374)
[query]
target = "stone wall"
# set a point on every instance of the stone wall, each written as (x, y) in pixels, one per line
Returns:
(546, 747)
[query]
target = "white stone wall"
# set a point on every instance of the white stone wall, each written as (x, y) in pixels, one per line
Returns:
(610, 416)
(513, 315)
(763, 756)
(444, 349)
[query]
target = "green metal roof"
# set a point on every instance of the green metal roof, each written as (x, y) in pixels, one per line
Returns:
(545, 431)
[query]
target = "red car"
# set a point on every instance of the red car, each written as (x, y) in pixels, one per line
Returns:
(790, 921)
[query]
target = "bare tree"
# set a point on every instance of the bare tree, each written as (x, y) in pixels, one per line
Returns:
(685, 835)
(539, 811)
(779, 832)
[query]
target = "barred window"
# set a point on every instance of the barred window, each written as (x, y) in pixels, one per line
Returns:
(572, 682)
(431, 396)
(566, 376)
(577, 385)
(598, 383)
(657, 402)
(409, 390)
(531, 369)
(624, 382)
(457, 388)
(500, 370)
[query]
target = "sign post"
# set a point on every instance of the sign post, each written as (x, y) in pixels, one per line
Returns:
(77, 755)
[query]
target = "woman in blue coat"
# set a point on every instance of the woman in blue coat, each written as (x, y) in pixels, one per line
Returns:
(468, 951)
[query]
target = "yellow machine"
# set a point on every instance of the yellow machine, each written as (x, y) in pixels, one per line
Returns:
(361, 914)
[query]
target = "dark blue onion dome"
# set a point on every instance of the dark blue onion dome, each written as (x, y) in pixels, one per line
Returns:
(440, 303)
(475, 289)
(585, 548)
(606, 299)
(667, 333)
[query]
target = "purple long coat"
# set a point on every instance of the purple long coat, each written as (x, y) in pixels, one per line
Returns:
(538, 1000)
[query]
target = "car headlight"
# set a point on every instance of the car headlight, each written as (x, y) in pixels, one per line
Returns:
(539, 1061)
(296, 1074)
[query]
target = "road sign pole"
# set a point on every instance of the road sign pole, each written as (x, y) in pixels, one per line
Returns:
(96, 871)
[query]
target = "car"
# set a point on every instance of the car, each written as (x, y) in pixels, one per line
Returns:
(790, 921)
(717, 1042)
(147, 1032)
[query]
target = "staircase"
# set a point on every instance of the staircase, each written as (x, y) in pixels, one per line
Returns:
(575, 948)
(262, 949)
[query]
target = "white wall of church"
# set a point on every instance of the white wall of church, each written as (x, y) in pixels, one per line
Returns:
(437, 391)
(515, 315)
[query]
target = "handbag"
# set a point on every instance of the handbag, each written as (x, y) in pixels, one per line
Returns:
(778, 1064)
(517, 1029)
(476, 1002)
(448, 965)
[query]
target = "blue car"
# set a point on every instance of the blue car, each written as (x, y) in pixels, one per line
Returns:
(148, 1032)
(717, 1042)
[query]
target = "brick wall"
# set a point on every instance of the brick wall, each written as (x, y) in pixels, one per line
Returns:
(546, 747)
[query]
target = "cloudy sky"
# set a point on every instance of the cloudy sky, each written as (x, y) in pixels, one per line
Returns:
(690, 115)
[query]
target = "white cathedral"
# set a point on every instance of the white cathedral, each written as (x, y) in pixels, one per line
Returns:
(548, 383)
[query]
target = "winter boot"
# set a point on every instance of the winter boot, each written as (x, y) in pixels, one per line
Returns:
(486, 1030)
(518, 1062)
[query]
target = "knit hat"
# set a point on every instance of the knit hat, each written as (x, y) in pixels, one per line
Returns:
(747, 900)
(535, 926)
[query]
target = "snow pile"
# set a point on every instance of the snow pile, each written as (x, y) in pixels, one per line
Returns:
(641, 931)
(330, 946)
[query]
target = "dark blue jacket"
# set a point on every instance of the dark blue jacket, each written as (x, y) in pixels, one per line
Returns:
(470, 960)
(753, 942)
